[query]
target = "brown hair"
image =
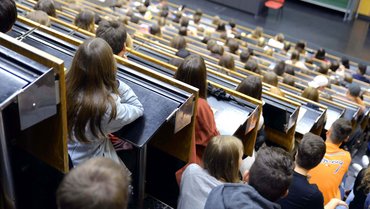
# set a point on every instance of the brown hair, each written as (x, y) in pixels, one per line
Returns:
(251, 86)
(96, 183)
(288, 80)
(365, 183)
(46, 6)
(311, 93)
(257, 33)
(221, 158)
(217, 49)
(270, 78)
(227, 61)
(193, 71)
(39, 17)
(233, 45)
(90, 82)
(178, 42)
(85, 20)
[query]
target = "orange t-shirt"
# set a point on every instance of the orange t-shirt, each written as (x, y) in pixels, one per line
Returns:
(329, 173)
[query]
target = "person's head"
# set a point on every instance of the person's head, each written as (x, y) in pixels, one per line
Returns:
(184, 21)
(135, 19)
(339, 131)
(334, 65)
(211, 43)
(178, 42)
(155, 30)
(310, 151)
(300, 46)
(295, 55)
(183, 53)
(142, 9)
(320, 54)
(232, 23)
(227, 61)
(178, 15)
(129, 12)
(39, 17)
(97, 19)
(319, 82)
(197, 18)
(85, 20)
(193, 71)
(324, 68)
(311, 93)
(221, 27)
(279, 69)
(365, 183)
(233, 45)
(252, 65)
(287, 46)
(354, 90)
(124, 20)
(163, 13)
(222, 158)
(198, 12)
(115, 34)
(183, 31)
(244, 56)
(251, 86)
(147, 3)
(96, 183)
(289, 80)
(8, 15)
(280, 37)
(270, 78)
(362, 68)
(348, 77)
(345, 62)
(90, 81)
(271, 173)
(162, 21)
(216, 20)
(47, 6)
(217, 49)
(289, 70)
(257, 33)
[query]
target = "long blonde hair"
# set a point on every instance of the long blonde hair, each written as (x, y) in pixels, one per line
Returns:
(90, 82)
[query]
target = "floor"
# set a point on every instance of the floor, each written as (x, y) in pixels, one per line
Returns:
(303, 21)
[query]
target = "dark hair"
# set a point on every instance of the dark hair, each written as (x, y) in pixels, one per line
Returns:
(295, 55)
(184, 21)
(271, 172)
(135, 19)
(46, 6)
(362, 68)
(217, 49)
(85, 20)
(252, 65)
(279, 69)
(251, 86)
(300, 46)
(288, 80)
(244, 56)
(233, 45)
(289, 70)
(142, 9)
(324, 68)
(196, 18)
(270, 78)
(227, 61)
(221, 27)
(178, 42)
(163, 13)
(8, 15)
(97, 19)
(114, 33)
(311, 150)
(147, 3)
(96, 183)
(345, 62)
(183, 31)
(320, 54)
(193, 71)
(340, 130)
(155, 30)
(334, 65)
(183, 53)
(287, 46)
(232, 23)
(198, 12)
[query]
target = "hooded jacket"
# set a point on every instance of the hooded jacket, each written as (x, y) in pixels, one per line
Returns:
(237, 196)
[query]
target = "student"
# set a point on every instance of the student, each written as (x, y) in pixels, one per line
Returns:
(353, 95)
(361, 189)
(221, 159)
(302, 194)
(345, 62)
(179, 43)
(311, 93)
(319, 82)
(272, 79)
(193, 71)
(155, 30)
(233, 45)
(300, 47)
(324, 68)
(40, 17)
(8, 15)
(244, 56)
(257, 34)
(320, 54)
(252, 86)
(217, 51)
(183, 31)
(97, 104)
(46, 6)
(329, 174)
(114, 33)
(95, 184)
(361, 71)
(289, 80)
(252, 65)
(295, 60)
(277, 41)
(279, 69)
(268, 180)
(227, 61)
(85, 20)
(184, 22)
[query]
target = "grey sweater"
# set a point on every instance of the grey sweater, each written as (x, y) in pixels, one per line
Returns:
(237, 196)
(129, 109)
